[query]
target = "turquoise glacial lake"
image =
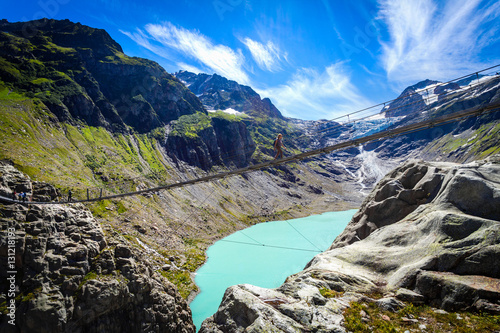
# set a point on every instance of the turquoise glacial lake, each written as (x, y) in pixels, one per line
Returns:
(241, 257)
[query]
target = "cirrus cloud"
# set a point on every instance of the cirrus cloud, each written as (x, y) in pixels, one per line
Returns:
(442, 40)
(318, 94)
(167, 39)
(267, 56)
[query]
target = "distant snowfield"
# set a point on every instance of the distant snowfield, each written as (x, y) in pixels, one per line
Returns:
(430, 97)
(229, 111)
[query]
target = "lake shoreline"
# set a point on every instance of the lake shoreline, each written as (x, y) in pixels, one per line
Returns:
(264, 254)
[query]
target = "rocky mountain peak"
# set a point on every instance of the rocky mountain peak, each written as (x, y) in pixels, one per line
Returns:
(419, 86)
(66, 33)
(409, 102)
(219, 93)
(81, 73)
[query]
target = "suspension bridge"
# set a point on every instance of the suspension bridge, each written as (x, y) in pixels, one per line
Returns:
(390, 133)
(426, 123)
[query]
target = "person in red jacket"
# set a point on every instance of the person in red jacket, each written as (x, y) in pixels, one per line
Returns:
(278, 143)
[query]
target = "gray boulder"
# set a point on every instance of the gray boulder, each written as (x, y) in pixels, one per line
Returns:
(13, 180)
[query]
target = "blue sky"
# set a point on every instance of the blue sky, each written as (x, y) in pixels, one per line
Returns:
(315, 59)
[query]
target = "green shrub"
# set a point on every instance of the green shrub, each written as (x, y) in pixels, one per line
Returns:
(190, 125)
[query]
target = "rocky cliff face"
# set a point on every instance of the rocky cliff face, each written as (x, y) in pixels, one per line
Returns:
(234, 141)
(69, 276)
(429, 232)
(205, 141)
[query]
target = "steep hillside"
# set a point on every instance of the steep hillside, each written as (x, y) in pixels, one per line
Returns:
(82, 76)
(73, 68)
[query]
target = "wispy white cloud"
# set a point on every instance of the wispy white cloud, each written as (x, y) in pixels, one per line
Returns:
(331, 17)
(311, 94)
(145, 41)
(436, 40)
(163, 39)
(267, 56)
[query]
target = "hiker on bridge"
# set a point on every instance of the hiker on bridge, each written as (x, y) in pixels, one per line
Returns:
(278, 143)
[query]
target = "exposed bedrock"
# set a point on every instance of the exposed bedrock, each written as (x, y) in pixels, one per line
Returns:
(428, 232)
(69, 276)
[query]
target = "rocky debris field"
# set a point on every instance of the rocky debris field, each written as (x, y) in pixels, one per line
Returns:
(428, 234)
(71, 277)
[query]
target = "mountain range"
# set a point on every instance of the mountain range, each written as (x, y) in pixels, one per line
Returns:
(424, 100)
(72, 70)
(79, 114)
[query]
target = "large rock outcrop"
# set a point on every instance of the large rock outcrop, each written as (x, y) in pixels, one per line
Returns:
(429, 232)
(70, 277)
(220, 140)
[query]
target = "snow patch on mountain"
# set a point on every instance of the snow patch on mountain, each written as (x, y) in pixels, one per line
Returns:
(430, 93)
(228, 111)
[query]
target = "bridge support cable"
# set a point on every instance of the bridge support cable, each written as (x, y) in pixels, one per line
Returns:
(301, 234)
(272, 246)
(287, 221)
(256, 241)
(193, 211)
